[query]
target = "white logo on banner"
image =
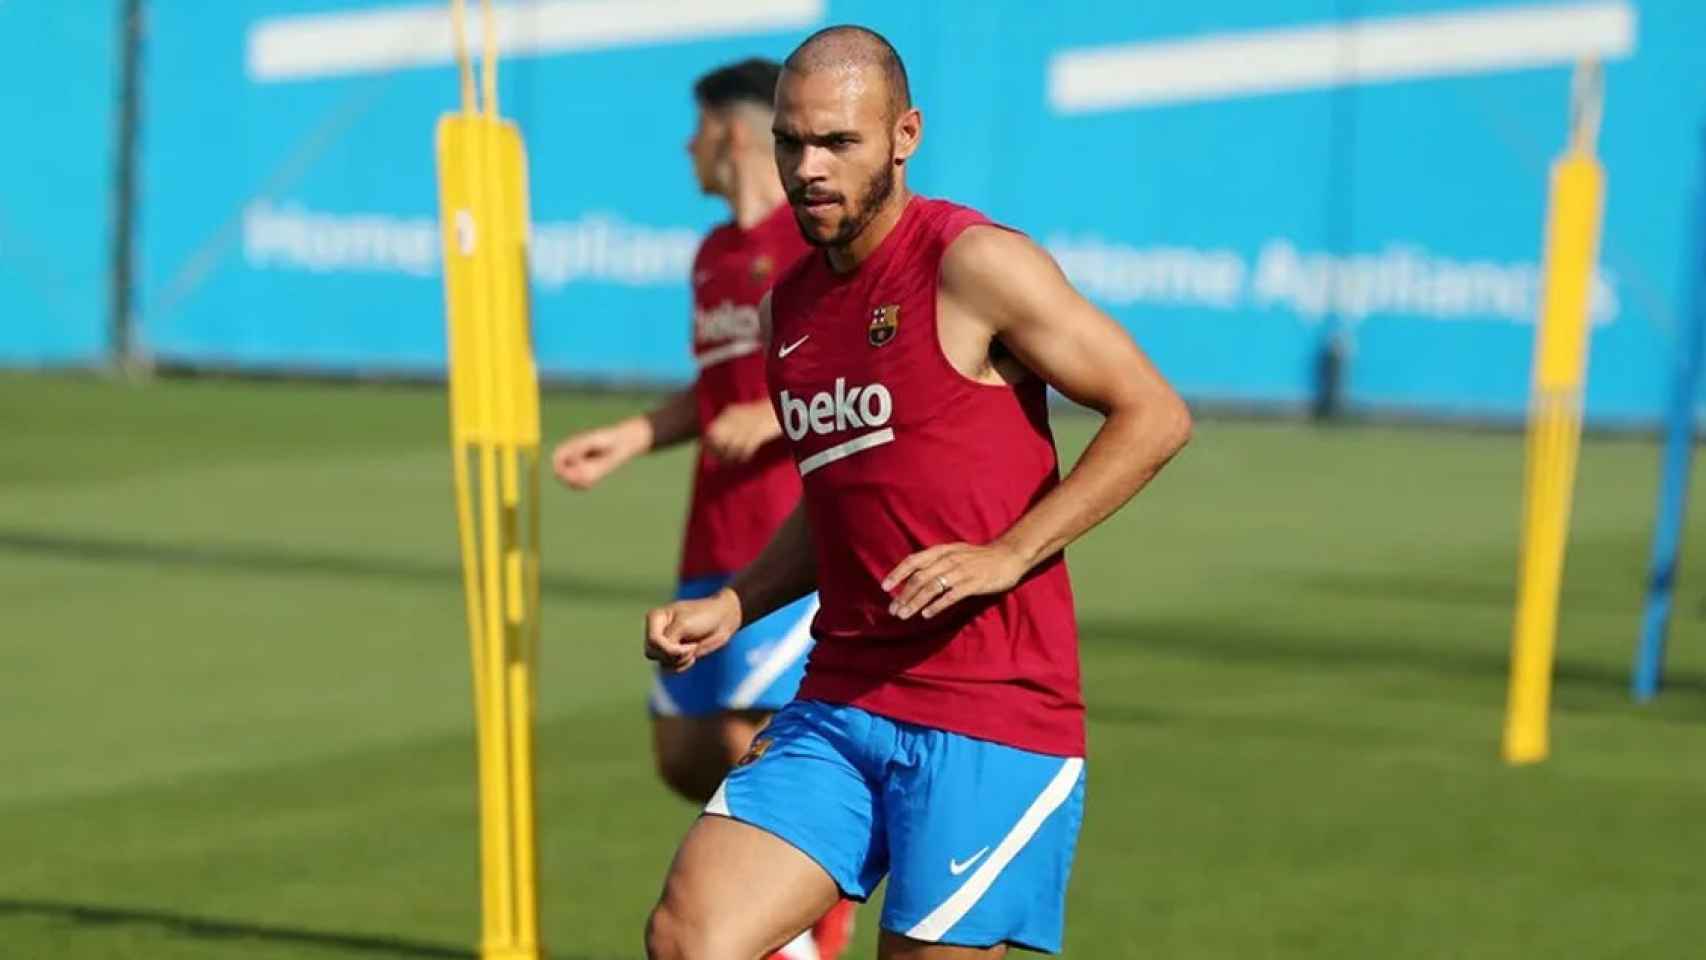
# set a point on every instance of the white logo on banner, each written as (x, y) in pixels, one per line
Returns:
(1402, 279)
(596, 248)
(1320, 56)
(383, 37)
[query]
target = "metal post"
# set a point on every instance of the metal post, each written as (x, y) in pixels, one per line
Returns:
(122, 346)
(1678, 461)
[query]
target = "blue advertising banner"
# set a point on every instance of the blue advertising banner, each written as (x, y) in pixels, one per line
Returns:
(1238, 183)
(59, 94)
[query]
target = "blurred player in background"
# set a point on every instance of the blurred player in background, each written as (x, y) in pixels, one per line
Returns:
(938, 738)
(745, 483)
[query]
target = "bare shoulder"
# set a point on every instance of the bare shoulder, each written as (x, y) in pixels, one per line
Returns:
(989, 252)
(999, 273)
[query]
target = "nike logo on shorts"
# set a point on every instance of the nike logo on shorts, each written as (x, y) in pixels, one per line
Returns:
(957, 867)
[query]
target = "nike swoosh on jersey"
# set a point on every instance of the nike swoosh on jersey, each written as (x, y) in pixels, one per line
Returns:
(957, 867)
(783, 351)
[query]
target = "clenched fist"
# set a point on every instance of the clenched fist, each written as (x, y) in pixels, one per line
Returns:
(679, 634)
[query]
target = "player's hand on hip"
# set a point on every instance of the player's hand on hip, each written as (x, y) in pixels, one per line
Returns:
(741, 430)
(679, 634)
(932, 580)
(584, 459)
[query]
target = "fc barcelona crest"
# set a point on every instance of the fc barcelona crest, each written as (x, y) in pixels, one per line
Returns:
(761, 268)
(759, 748)
(885, 321)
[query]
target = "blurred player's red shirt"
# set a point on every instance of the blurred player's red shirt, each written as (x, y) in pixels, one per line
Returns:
(736, 507)
(900, 451)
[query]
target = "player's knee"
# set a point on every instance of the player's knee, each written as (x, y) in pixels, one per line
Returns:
(664, 935)
(671, 934)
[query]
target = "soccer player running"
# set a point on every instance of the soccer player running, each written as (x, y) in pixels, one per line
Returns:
(745, 483)
(938, 736)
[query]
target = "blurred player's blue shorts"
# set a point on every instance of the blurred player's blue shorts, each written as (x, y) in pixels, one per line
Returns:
(759, 669)
(976, 838)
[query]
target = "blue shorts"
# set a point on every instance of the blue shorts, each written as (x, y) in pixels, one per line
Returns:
(976, 838)
(759, 669)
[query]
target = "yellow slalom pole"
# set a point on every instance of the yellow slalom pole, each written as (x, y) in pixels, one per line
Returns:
(468, 318)
(495, 760)
(508, 607)
(1555, 421)
(495, 441)
(498, 762)
(521, 452)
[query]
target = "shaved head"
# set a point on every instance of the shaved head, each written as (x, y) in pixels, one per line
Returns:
(850, 48)
(844, 129)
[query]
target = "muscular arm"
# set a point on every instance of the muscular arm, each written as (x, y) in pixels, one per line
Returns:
(997, 284)
(1017, 288)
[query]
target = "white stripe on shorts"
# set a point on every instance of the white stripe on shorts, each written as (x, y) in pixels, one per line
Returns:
(790, 648)
(663, 704)
(719, 802)
(942, 919)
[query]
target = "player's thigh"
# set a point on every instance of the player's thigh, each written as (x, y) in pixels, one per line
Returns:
(804, 780)
(981, 842)
(793, 827)
(735, 890)
(893, 946)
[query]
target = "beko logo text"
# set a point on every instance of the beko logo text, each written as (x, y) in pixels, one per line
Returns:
(726, 321)
(847, 408)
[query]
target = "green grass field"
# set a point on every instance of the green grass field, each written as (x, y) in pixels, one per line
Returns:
(238, 722)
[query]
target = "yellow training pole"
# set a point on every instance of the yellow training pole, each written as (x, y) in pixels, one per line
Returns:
(519, 450)
(495, 439)
(466, 314)
(1555, 421)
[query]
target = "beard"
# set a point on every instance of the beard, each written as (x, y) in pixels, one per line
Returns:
(877, 190)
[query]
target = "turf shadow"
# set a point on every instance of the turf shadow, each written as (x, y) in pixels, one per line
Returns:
(93, 916)
(1380, 650)
(1495, 592)
(261, 559)
(1450, 591)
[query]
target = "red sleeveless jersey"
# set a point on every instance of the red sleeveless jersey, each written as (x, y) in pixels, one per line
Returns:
(736, 508)
(899, 451)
